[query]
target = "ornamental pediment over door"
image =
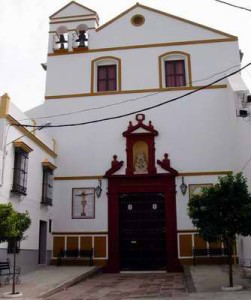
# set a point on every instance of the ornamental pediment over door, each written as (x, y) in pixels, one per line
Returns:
(140, 151)
(140, 127)
(140, 147)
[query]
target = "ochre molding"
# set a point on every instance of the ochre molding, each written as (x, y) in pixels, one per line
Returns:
(74, 20)
(69, 30)
(209, 41)
(48, 164)
(61, 51)
(94, 71)
(188, 65)
(153, 90)
(80, 5)
(22, 145)
(4, 106)
(80, 233)
(167, 15)
(78, 177)
(187, 231)
(205, 173)
(209, 173)
(75, 16)
(31, 136)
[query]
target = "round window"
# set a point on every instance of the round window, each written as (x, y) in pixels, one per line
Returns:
(138, 20)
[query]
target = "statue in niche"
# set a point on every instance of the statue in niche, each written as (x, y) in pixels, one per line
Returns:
(140, 164)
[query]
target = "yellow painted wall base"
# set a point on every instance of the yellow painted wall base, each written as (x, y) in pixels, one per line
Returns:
(207, 261)
(82, 262)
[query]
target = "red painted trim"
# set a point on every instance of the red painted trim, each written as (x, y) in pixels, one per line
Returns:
(147, 136)
(140, 118)
(165, 164)
(115, 166)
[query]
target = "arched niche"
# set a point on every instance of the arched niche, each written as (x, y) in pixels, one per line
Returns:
(140, 147)
(140, 157)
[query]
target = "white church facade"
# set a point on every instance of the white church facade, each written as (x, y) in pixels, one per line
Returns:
(143, 123)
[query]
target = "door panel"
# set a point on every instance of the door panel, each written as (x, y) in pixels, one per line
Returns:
(142, 231)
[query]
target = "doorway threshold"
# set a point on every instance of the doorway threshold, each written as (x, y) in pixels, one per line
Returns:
(143, 272)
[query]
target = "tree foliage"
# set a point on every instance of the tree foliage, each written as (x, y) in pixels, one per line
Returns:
(12, 224)
(223, 210)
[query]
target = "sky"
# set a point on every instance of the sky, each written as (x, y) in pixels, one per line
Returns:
(24, 26)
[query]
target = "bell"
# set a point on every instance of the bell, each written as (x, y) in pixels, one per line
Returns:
(81, 39)
(61, 41)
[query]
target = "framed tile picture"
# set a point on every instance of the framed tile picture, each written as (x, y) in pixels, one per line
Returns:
(195, 189)
(83, 203)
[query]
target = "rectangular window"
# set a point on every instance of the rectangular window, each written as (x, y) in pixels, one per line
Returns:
(20, 171)
(175, 73)
(47, 186)
(107, 78)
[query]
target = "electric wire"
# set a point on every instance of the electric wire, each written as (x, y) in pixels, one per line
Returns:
(137, 111)
(121, 102)
(233, 5)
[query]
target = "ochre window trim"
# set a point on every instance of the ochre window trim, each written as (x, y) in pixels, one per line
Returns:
(23, 146)
(47, 185)
(94, 64)
(49, 165)
(188, 70)
(20, 169)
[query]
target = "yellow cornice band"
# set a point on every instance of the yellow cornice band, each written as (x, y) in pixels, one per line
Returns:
(210, 173)
(206, 173)
(170, 89)
(79, 177)
(31, 136)
(48, 164)
(74, 20)
(22, 145)
(224, 40)
(4, 107)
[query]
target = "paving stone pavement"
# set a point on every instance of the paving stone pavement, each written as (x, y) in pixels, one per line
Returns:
(200, 282)
(127, 286)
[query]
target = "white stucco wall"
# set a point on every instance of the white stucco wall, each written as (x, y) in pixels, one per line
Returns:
(71, 74)
(32, 201)
(199, 132)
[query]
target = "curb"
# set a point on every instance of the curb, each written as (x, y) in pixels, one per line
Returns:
(189, 280)
(70, 282)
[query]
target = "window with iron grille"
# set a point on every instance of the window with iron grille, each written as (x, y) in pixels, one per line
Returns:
(175, 73)
(107, 78)
(47, 187)
(20, 172)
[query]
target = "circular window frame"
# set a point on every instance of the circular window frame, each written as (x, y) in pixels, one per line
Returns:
(136, 23)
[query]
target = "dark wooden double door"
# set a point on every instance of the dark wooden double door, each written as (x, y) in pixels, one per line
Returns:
(142, 231)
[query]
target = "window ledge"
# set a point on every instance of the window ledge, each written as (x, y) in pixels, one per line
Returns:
(46, 201)
(80, 49)
(18, 192)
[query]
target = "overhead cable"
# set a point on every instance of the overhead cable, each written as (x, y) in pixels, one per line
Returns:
(121, 102)
(140, 110)
(233, 5)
